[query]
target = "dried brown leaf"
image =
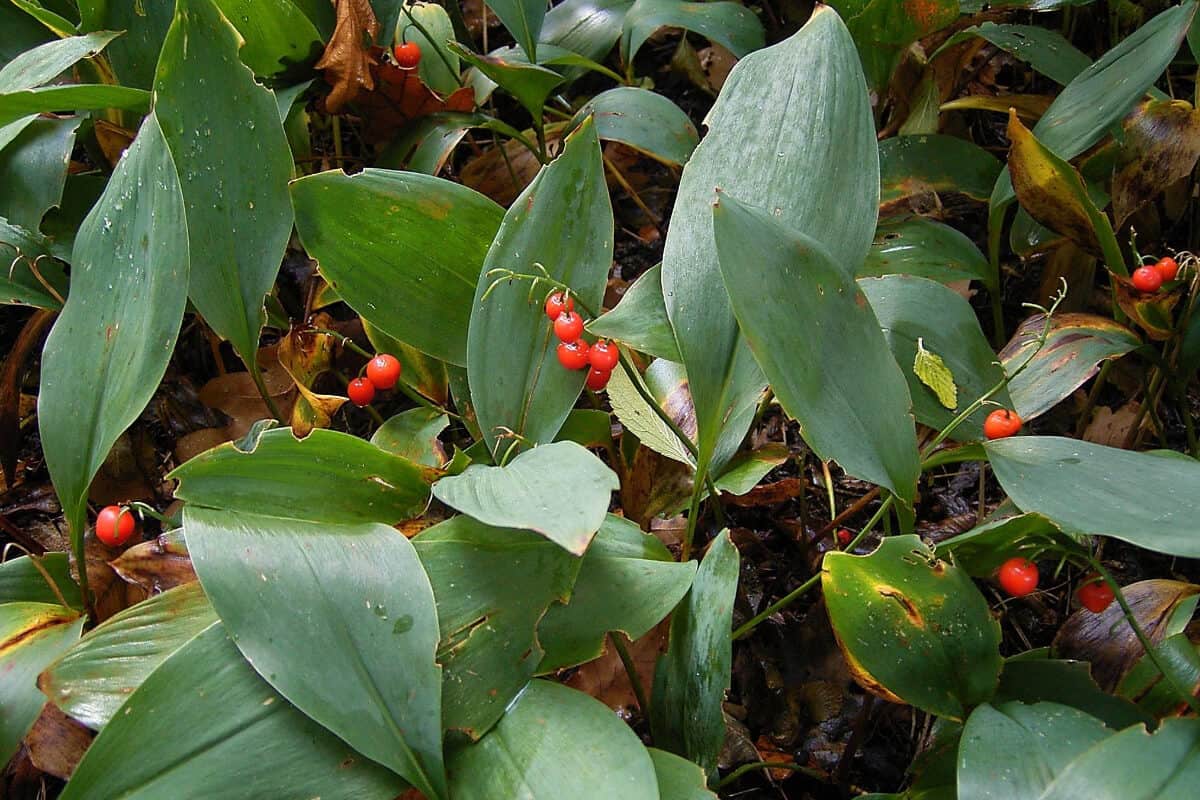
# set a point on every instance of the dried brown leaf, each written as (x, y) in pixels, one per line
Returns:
(348, 57)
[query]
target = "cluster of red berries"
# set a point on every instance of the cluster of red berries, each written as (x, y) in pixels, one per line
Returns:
(1019, 577)
(598, 359)
(381, 374)
(1001, 424)
(407, 55)
(115, 525)
(1151, 277)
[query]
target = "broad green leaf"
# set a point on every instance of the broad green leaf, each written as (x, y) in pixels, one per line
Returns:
(640, 319)
(558, 490)
(678, 778)
(644, 120)
(627, 582)
(489, 647)
(62, 225)
(422, 372)
(31, 636)
(20, 251)
(277, 35)
(820, 120)
(931, 370)
(523, 18)
(220, 730)
(388, 14)
(92, 679)
(57, 23)
(372, 623)
(1015, 750)
(914, 629)
(1134, 765)
(802, 311)
(20, 33)
(640, 419)
(911, 309)
(413, 434)
(33, 170)
(1077, 345)
(884, 29)
(1044, 49)
(690, 681)
(528, 82)
(745, 470)
(422, 237)
(233, 163)
(587, 27)
(328, 476)
(1162, 143)
(45, 63)
(927, 249)
(79, 97)
(515, 378)
(730, 25)
(1155, 696)
(554, 742)
(916, 165)
(110, 346)
(1086, 489)
(433, 67)
(22, 582)
(590, 427)
(981, 550)
(135, 54)
(1070, 683)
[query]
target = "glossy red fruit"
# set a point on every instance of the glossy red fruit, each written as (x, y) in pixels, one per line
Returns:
(115, 525)
(573, 355)
(408, 54)
(844, 536)
(569, 326)
(1167, 268)
(383, 371)
(556, 304)
(597, 379)
(1146, 279)
(1094, 594)
(604, 355)
(1001, 423)
(1018, 576)
(361, 392)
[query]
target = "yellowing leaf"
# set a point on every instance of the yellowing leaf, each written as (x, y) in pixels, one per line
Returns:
(934, 373)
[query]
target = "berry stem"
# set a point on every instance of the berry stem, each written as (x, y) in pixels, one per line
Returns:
(150, 511)
(261, 385)
(429, 38)
(639, 691)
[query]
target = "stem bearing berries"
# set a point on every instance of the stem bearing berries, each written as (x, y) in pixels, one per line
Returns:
(568, 326)
(407, 55)
(115, 525)
(361, 392)
(1018, 576)
(557, 303)
(1146, 279)
(573, 355)
(1094, 594)
(383, 371)
(1001, 424)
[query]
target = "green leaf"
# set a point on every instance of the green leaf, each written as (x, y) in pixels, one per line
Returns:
(277, 35)
(92, 679)
(22, 582)
(640, 419)
(422, 372)
(801, 311)
(590, 427)
(1077, 345)
(21, 250)
(884, 29)
(931, 163)
(558, 490)
(587, 27)
(1070, 683)
(1134, 765)
(628, 582)
(489, 648)
(19, 33)
(422, 237)
(640, 319)
(1015, 750)
(747, 469)
(690, 681)
(730, 25)
(31, 636)
(233, 162)
(78, 97)
(110, 346)
(328, 476)
(528, 82)
(981, 550)
(242, 741)
(644, 120)
(933, 372)
(33, 170)
(432, 68)
(372, 623)
(1085, 488)
(818, 125)
(413, 434)
(678, 778)
(1046, 50)
(515, 378)
(135, 54)
(913, 628)
(46, 62)
(927, 249)
(523, 18)
(914, 309)
(57, 23)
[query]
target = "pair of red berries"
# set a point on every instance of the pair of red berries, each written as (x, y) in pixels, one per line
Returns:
(1001, 423)
(115, 525)
(382, 373)
(1019, 577)
(407, 55)
(1151, 277)
(574, 353)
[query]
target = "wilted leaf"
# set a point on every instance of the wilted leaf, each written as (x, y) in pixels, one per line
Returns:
(306, 355)
(347, 61)
(1162, 143)
(56, 742)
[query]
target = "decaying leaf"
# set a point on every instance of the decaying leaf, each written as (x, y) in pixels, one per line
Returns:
(348, 59)
(305, 355)
(157, 565)
(1162, 143)
(397, 96)
(56, 742)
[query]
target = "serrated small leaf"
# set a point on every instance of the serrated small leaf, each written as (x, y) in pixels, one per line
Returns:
(934, 373)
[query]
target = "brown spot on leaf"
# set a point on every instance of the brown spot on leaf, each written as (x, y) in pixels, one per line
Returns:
(910, 610)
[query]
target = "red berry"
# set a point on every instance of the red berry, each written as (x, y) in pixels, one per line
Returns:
(1146, 279)
(597, 379)
(569, 326)
(1018, 576)
(114, 525)
(557, 304)
(361, 392)
(844, 537)
(573, 355)
(604, 355)
(383, 371)
(1167, 268)
(1094, 594)
(1001, 423)
(408, 54)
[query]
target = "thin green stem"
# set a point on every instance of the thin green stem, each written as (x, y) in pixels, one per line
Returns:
(261, 385)
(152, 512)
(693, 517)
(429, 38)
(635, 680)
(759, 765)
